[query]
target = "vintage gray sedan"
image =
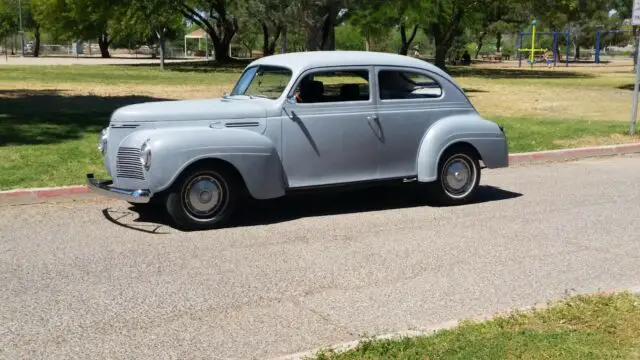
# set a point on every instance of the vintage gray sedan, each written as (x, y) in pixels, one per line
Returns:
(299, 121)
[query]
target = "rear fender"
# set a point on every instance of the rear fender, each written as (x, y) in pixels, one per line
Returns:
(484, 136)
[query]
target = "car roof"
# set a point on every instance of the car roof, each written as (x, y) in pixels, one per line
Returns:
(301, 61)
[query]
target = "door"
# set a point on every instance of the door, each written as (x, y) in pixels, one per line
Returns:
(330, 134)
(409, 101)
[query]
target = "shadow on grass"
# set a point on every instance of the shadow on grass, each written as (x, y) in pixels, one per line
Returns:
(473, 90)
(626, 87)
(30, 117)
(204, 66)
(311, 204)
(522, 73)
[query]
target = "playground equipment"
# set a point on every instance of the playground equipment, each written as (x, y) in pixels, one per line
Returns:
(599, 34)
(532, 51)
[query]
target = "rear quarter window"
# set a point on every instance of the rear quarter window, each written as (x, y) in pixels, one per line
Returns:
(404, 84)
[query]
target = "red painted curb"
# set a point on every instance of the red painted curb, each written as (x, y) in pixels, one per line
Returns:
(27, 196)
(22, 196)
(62, 192)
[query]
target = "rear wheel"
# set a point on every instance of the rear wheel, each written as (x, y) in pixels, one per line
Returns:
(458, 176)
(203, 198)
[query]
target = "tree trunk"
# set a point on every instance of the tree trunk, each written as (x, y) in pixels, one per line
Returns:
(103, 43)
(480, 44)
(268, 46)
(314, 36)
(36, 48)
(498, 41)
(321, 22)
(577, 55)
(367, 43)
(221, 49)
(161, 41)
(406, 43)
(444, 34)
(441, 56)
(283, 46)
(265, 39)
(272, 45)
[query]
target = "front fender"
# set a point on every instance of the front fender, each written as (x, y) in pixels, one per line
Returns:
(252, 154)
(485, 136)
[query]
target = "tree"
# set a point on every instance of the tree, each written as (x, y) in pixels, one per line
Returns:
(149, 20)
(79, 19)
(217, 19)
(446, 22)
(376, 18)
(320, 17)
(8, 22)
(29, 22)
(271, 16)
(248, 36)
(12, 8)
(495, 19)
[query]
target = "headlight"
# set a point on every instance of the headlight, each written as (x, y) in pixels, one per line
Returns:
(102, 144)
(145, 155)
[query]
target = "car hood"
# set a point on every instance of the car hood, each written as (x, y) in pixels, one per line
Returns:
(189, 110)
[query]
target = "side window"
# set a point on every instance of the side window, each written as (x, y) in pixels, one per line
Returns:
(333, 86)
(399, 84)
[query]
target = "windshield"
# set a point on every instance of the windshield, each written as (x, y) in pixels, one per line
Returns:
(263, 81)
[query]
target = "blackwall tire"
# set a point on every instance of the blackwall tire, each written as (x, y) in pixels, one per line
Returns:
(458, 177)
(203, 198)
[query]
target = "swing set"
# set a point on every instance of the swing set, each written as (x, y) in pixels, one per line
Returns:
(532, 51)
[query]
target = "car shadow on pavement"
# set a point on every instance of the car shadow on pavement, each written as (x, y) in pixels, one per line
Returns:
(354, 201)
(297, 206)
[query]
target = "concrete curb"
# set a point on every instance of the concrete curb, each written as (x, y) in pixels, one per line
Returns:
(572, 154)
(433, 329)
(40, 195)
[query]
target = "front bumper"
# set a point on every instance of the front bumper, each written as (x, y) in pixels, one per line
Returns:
(103, 187)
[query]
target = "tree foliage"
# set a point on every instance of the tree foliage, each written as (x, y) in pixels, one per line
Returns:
(389, 25)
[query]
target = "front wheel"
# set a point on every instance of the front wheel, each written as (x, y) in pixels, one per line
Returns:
(203, 198)
(458, 177)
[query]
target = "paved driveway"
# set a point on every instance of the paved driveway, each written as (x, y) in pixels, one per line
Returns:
(91, 280)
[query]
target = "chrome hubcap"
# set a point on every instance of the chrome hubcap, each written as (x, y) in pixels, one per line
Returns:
(203, 195)
(458, 176)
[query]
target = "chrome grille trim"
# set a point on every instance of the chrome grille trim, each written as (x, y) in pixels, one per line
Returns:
(242, 124)
(128, 164)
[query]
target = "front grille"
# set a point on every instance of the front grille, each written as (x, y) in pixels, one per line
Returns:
(128, 164)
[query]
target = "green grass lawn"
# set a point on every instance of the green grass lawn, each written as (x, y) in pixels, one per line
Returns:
(530, 134)
(584, 327)
(49, 132)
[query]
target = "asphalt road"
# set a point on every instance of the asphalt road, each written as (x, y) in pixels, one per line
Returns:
(92, 280)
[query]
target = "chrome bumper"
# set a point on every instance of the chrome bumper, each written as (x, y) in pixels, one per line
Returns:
(103, 187)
